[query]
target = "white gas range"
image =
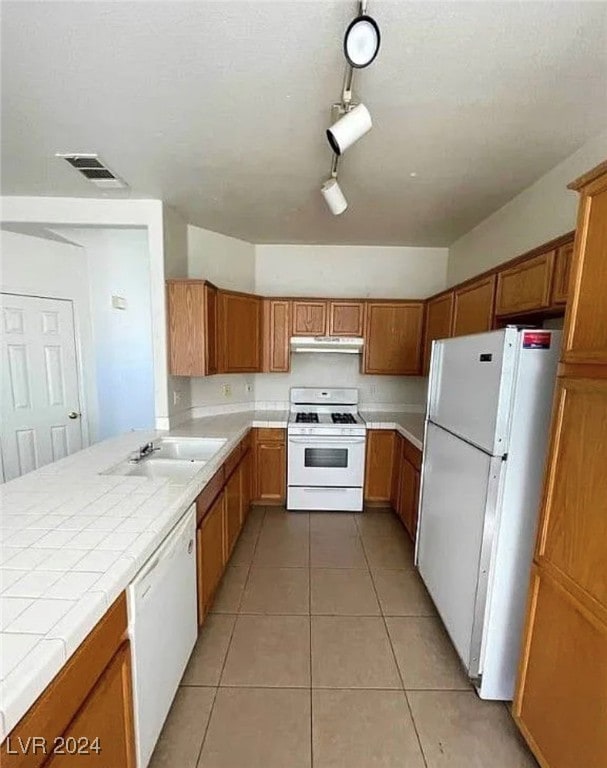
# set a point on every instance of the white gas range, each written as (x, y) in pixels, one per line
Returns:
(326, 450)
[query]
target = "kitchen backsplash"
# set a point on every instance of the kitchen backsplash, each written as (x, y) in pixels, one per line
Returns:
(340, 370)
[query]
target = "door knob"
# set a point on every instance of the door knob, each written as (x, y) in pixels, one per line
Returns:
(73, 415)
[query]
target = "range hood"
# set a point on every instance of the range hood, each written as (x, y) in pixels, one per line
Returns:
(344, 344)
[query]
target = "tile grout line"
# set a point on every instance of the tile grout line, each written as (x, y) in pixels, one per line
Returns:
(225, 658)
(383, 617)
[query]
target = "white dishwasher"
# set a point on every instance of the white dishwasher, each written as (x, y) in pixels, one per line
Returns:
(163, 629)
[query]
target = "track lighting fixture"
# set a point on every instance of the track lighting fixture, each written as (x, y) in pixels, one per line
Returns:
(349, 128)
(350, 121)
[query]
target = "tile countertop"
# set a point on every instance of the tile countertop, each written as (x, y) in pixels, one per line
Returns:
(408, 424)
(71, 540)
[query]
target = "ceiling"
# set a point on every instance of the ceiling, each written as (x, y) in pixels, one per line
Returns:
(220, 108)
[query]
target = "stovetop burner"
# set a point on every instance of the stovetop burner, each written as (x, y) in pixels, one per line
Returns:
(306, 418)
(343, 418)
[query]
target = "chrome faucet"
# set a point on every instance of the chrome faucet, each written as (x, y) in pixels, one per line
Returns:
(143, 452)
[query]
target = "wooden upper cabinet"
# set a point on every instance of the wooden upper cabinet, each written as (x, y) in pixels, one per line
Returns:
(439, 320)
(473, 307)
(562, 272)
(239, 333)
(526, 286)
(192, 327)
(393, 338)
(276, 334)
(586, 328)
(309, 318)
(346, 318)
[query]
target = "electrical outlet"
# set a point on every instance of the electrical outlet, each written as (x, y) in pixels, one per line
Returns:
(226, 390)
(176, 397)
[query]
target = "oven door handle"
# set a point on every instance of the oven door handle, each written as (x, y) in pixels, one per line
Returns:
(345, 441)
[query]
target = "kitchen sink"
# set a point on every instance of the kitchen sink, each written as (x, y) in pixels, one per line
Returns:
(174, 458)
(178, 471)
(187, 448)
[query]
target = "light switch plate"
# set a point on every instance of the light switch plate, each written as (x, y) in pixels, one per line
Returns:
(118, 302)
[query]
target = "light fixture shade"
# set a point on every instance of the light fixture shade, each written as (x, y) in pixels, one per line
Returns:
(361, 41)
(349, 128)
(334, 197)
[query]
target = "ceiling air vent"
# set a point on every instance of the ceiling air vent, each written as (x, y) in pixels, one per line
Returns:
(93, 169)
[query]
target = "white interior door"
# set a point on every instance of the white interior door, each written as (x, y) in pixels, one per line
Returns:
(457, 485)
(41, 419)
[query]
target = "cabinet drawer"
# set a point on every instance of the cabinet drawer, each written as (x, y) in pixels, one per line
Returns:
(269, 435)
(209, 494)
(526, 286)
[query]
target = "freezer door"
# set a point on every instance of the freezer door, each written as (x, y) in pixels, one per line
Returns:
(471, 381)
(459, 495)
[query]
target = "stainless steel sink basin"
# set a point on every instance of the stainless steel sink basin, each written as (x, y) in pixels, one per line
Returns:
(187, 448)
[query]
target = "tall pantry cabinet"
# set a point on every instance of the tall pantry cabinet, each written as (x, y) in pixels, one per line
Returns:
(561, 698)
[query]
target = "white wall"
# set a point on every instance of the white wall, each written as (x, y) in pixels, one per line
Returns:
(328, 370)
(40, 266)
(118, 264)
(229, 263)
(350, 271)
(540, 213)
(83, 212)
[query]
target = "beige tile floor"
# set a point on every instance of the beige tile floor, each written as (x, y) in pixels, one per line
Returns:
(323, 649)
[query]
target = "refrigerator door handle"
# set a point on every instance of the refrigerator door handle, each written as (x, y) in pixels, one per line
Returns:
(485, 573)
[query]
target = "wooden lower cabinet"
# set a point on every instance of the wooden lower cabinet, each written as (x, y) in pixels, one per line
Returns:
(473, 307)
(105, 719)
(270, 466)
(378, 466)
(210, 554)
(246, 481)
(408, 497)
(90, 698)
(233, 494)
(561, 704)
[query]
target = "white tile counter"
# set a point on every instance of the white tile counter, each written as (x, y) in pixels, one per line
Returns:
(71, 540)
(407, 423)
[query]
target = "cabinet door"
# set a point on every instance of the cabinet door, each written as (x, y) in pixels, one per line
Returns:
(233, 509)
(211, 556)
(378, 465)
(105, 718)
(526, 286)
(561, 704)
(562, 271)
(473, 307)
(439, 319)
(271, 469)
(186, 328)
(239, 333)
(210, 302)
(309, 318)
(245, 489)
(586, 328)
(409, 493)
(396, 468)
(346, 318)
(393, 338)
(276, 333)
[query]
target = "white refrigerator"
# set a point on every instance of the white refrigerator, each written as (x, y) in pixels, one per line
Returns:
(489, 405)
